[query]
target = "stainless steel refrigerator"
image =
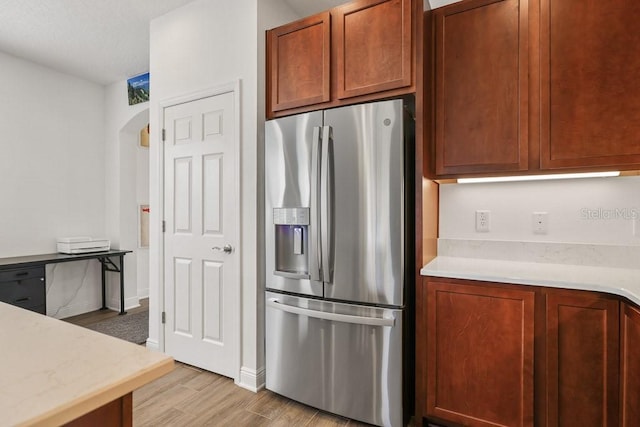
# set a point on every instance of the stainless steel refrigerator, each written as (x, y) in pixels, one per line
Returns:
(338, 254)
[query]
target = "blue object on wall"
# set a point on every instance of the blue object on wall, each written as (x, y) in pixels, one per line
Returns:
(138, 89)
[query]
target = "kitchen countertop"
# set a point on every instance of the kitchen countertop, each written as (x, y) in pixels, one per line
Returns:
(52, 372)
(624, 282)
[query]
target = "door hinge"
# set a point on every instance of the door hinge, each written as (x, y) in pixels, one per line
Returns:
(164, 135)
(164, 226)
(164, 317)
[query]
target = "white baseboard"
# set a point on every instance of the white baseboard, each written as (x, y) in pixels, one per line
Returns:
(129, 303)
(251, 379)
(153, 345)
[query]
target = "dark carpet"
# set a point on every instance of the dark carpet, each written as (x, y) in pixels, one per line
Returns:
(129, 327)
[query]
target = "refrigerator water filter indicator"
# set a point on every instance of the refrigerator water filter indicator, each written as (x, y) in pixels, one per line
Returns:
(297, 240)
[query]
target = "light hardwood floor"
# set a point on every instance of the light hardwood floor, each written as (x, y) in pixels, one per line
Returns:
(192, 397)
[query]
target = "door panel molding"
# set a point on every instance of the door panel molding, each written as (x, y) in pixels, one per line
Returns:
(212, 128)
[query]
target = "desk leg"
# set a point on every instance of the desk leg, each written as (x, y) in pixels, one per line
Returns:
(104, 293)
(122, 285)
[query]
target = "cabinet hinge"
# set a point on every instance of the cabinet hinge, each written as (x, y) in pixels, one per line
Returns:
(164, 135)
(164, 317)
(164, 226)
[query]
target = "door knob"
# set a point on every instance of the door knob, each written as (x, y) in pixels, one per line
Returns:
(227, 249)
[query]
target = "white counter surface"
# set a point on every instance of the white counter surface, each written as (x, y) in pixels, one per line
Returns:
(52, 372)
(619, 281)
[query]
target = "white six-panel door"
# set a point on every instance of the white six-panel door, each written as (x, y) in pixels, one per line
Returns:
(201, 279)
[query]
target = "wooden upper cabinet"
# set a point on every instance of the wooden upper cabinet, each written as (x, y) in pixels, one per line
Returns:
(373, 46)
(479, 353)
(481, 87)
(362, 51)
(536, 86)
(582, 357)
(630, 366)
(590, 96)
(298, 63)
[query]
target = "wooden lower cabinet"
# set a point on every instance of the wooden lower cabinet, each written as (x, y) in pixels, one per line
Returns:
(117, 413)
(629, 366)
(582, 359)
(490, 354)
(479, 354)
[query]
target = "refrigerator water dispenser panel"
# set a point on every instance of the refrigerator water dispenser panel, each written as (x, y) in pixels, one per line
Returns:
(292, 248)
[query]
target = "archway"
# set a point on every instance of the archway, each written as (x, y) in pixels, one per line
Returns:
(134, 193)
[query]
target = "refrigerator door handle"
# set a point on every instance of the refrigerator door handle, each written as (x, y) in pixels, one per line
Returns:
(326, 200)
(335, 317)
(315, 261)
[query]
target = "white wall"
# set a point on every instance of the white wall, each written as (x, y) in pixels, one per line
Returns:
(205, 44)
(52, 174)
(271, 13)
(597, 210)
(201, 45)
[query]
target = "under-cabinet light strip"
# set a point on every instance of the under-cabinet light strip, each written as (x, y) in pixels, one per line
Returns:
(537, 177)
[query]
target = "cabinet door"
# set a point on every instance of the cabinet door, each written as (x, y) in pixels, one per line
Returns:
(373, 46)
(481, 87)
(582, 359)
(630, 366)
(298, 56)
(480, 354)
(590, 97)
(24, 288)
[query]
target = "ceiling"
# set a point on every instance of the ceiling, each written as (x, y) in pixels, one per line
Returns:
(103, 41)
(100, 40)
(309, 7)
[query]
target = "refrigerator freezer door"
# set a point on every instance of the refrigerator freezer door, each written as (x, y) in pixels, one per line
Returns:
(366, 259)
(292, 158)
(341, 358)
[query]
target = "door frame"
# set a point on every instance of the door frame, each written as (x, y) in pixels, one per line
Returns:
(235, 88)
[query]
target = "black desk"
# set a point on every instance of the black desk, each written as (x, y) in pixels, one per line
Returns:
(105, 259)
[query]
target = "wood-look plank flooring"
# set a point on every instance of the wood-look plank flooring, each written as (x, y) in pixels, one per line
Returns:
(190, 396)
(193, 397)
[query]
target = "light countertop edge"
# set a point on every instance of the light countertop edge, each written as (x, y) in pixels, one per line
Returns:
(623, 282)
(82, 406)
(52, 372)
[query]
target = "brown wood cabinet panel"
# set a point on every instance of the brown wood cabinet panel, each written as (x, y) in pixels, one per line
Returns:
(582, 359)
(298, 63)
(118, 413)
(480, 349)
(590, 97)
(481, 87)
(373, 46)
(630, 366)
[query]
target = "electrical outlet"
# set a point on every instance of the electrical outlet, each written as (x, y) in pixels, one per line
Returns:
(540, 222)
(483, 221)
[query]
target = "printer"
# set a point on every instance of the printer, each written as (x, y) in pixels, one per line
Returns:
(82, 245)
